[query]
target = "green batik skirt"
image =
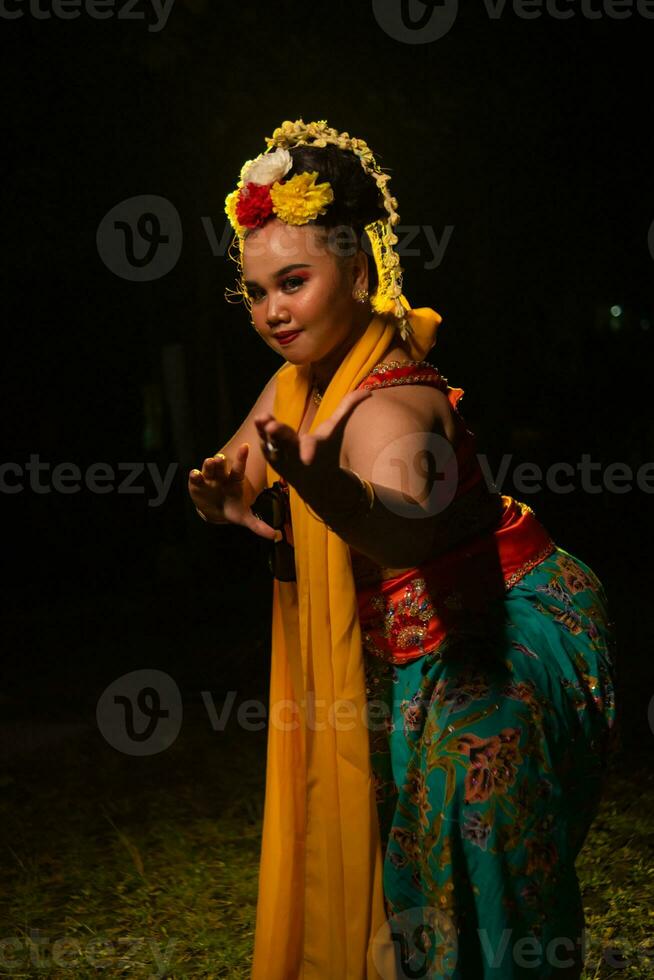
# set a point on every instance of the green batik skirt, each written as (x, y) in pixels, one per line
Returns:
(488, 757)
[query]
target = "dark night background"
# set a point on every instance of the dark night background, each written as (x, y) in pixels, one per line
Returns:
(530, 138)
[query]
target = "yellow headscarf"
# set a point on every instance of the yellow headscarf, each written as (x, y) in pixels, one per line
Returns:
(320, 912)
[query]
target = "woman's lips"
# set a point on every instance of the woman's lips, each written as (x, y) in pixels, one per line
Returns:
(286, 338)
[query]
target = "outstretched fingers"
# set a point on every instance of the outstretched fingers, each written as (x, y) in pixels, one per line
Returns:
(196, 479)
(213, 468)
(260, 527)
(240, 459)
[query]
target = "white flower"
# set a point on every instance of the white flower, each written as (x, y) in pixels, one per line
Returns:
(267, 167)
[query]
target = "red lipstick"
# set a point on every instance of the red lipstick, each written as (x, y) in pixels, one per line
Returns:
(287, 336)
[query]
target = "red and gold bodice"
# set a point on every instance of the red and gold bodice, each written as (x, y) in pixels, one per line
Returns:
(406, 613)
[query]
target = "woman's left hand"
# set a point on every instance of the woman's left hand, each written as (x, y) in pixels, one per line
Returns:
(308, 460)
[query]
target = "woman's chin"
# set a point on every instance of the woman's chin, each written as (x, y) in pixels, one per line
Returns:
(297, 352)
(296, 357)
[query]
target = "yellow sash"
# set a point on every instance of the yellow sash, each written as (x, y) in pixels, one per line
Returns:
(320, 911)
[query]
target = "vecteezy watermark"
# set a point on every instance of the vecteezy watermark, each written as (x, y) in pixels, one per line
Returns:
(95, 9)
(341, 241)
(529, 952)
(417, 475)
(415, 22)
(425, 21)
(529, 477)
(560, 952)
(20, 954)
(426, 944)
(140, 713)
(68, 478)
(416, 942)
(140, 239)
(426, 468)
(423, 465)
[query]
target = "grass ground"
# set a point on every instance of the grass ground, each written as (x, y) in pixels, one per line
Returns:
(148, 868)
(144, 867)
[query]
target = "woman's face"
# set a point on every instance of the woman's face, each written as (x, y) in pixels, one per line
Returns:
(296, 282)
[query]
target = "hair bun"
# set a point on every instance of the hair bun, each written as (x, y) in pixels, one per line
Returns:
(357, 199)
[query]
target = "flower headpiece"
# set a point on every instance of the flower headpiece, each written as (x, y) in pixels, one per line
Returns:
(262, 193)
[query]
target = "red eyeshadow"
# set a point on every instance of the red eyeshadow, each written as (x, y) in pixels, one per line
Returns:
(296, 274)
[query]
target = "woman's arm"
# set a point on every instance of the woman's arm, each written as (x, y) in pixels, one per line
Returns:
(400, 440)
(255, 467)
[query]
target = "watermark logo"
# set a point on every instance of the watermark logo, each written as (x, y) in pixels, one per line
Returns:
(424, 944)
(427, 475)
(44, 954)
(141, 712)
(341, 241)
(422, 464)
(416, 21)
(99, 478)
(615, 478)
(95, 9)
(425, 21)
(140, 239)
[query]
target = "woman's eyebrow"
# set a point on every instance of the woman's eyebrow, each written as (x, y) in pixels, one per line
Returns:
(281, 272)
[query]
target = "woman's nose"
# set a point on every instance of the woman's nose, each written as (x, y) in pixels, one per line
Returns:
(276, 312)
(273, 319)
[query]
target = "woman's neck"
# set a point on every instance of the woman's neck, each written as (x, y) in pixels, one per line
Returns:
(323, 371)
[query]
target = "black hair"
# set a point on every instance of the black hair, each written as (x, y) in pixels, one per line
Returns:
(358, 201)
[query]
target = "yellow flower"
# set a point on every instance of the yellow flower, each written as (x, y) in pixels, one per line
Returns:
(300, 199)
(230, 211)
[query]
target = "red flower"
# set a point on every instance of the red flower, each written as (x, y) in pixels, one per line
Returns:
(254, 205)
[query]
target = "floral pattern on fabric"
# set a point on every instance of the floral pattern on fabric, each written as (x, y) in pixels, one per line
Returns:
(403, 623)
(488, 757)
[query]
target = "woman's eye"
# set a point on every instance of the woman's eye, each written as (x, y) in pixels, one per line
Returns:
(292, 282)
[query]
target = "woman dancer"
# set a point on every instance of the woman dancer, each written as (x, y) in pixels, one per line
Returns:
(442, 680)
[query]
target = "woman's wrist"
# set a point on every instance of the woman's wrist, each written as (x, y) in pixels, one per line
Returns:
(347, 497)
(211, 520)
(376, 526)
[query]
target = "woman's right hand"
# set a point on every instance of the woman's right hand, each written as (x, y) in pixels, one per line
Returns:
(220, 492)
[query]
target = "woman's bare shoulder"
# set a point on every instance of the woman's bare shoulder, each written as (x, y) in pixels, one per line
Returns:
(396, 412)
(430, 405)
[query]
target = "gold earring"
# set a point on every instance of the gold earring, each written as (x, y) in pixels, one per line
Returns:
(360, 295)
